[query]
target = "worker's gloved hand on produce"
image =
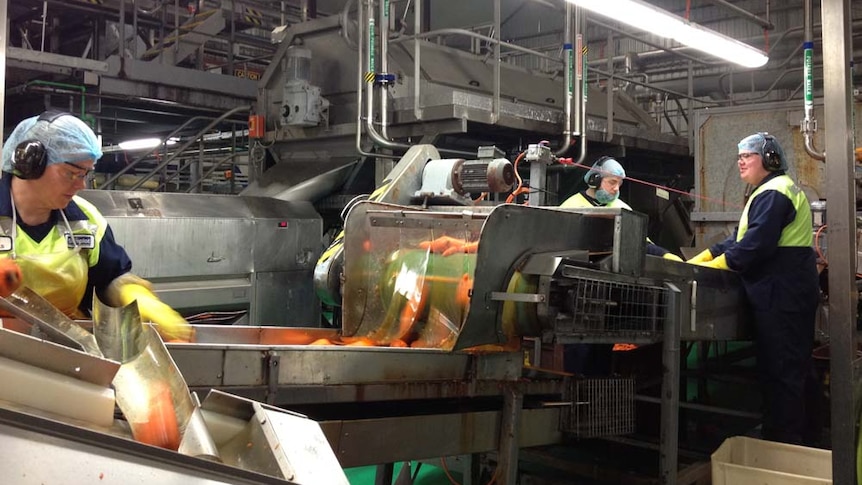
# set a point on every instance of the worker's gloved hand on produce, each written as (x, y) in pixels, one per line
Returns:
(672, 257)
(701, 257)
(448, 246)
(717, 263)
(170, 324)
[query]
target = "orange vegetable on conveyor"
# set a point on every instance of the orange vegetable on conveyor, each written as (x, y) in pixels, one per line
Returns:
(10, 277)
(161, 428)
(442, 243)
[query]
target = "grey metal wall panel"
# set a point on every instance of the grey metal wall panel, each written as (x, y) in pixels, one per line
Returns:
(717, 184)
(286, 298)
(186, 247)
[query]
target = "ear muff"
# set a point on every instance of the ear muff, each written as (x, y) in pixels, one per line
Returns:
(771, 159)
(30, 157)
(595, 178)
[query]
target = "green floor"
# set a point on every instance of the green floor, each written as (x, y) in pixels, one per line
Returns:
(428, 475)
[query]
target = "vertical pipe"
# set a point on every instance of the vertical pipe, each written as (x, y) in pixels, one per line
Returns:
(304, 9)
(609, 90)
(370, 66)
(809, 122)
(44, 22)
(134, 29)
(176, 47)
(360, 72)
(384, 67)
(567, 80)
(232, 41)
(417, 52)
(122, 39)
(495, 109)
(669, 439)
(841, 237)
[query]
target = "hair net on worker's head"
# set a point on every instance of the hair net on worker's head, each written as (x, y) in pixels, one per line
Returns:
(66, 139)
(605, 167)
(762, 143)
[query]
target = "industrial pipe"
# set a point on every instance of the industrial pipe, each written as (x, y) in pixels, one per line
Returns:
(384, 68)
(417, 52)
(495, 106)
(809, 123)
(567, 81)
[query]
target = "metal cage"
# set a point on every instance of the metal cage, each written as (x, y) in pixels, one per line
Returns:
(600, 407)
(611, 308)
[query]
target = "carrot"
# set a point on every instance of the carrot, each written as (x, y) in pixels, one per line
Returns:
(10, 277)
(442, 244)
(361, 342)
(398, 343)
(467, 247)
(161, 428)
(321, 341)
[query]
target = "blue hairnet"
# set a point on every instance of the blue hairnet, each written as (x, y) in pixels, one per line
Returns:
(66, 139)
(605, 168)
(758, 143)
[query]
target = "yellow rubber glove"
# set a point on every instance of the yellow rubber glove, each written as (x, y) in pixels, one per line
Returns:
(672, 257)
(702, 257)
(170, 324)
(717, 263)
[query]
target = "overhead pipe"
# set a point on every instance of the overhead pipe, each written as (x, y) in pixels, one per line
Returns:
(495, 105)
(609, 93)
(417, 52)
(568, 81)
(579, 79)
(765, 23)
(366, 64)
(384, 67)
(809, 123)
(361, 61)
(370, 60)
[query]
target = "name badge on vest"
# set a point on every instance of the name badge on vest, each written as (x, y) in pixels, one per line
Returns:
(5, 243)
(83, 241)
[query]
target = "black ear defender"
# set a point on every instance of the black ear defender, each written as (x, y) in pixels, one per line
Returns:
(771, 158)
(595, 178)
(30, 157)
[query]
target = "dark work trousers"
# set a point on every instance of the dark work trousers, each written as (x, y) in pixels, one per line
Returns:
(784, 343)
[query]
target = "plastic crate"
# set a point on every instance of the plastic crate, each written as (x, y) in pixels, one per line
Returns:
(748, 461)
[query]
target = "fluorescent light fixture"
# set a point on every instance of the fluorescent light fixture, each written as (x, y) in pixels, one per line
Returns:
(144, 143)
(650, 18)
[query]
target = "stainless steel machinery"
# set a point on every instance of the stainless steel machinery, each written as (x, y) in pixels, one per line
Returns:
(446, 373)
(251, 256)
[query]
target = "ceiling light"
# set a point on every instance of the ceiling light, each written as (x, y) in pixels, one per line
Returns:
(649, 18)
(144, 143)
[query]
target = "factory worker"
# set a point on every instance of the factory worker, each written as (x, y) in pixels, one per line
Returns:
(62, 244)
(604, 180)
(771, 250)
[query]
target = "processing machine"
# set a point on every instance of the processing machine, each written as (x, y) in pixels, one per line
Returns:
(445, 309)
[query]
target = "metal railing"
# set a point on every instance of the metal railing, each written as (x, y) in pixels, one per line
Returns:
(177, 153)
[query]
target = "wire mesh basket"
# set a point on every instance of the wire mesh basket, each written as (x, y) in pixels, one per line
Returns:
(611, 308)
(600, 407)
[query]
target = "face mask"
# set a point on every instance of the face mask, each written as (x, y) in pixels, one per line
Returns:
(604, 197)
